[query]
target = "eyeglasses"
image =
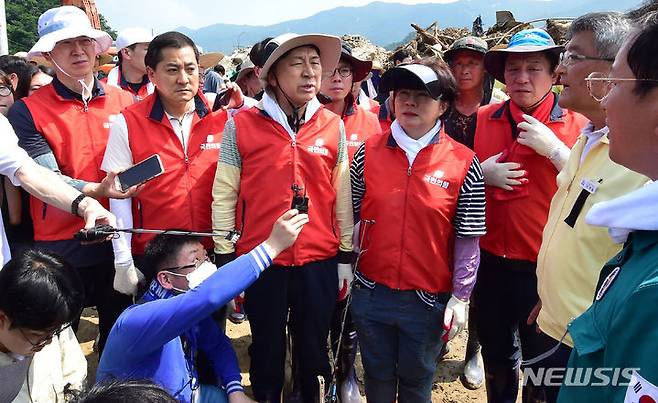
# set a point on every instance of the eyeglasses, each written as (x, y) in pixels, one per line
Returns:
(197, 262)
(83, 42)
(599, 85)
(36, 346)
(343, 72)
(569, 59)
(6, 91)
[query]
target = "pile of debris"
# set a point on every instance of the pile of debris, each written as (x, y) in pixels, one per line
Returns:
(232, 61)
(363, 49)
(432, 41)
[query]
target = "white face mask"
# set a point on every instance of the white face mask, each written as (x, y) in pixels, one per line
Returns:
(198, 276)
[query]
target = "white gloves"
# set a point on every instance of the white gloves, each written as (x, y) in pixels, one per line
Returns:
(455, 317)
(345, 278)
(127, 277)
(539, 137)
(502, 174)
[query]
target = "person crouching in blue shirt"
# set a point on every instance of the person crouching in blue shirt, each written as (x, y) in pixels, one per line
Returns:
(159, 337)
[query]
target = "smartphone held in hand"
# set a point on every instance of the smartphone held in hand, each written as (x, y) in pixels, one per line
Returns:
(141, 172)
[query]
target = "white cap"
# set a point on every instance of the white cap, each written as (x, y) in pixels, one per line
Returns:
(131, 36)
(66, 22)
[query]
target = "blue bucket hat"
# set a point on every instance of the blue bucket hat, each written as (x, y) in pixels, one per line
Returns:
(526, 41)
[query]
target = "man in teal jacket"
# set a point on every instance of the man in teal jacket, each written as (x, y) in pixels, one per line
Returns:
(616, 339)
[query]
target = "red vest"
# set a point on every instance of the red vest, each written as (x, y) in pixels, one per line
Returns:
(181, 197)
(78, 139)
(271, 163)
(516, 219)
(374, 107)
(358, 127)
(115, 79)
(409, 247)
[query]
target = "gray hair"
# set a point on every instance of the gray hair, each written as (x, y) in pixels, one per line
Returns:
(610, 29)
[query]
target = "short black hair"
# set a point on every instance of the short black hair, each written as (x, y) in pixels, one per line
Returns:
(400, 55)
(23, 70)
(115, 391)
(46, 70)
(119, 53)
(256, 52)
(219, 69)
(642, 53)
(171, 39)
(4, 80)
(162, 250)
(40, 291)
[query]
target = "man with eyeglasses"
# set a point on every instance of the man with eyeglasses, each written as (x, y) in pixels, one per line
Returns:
(161, 337)
(572, 252)
(617, 334)
(41, 295)
(64, 126)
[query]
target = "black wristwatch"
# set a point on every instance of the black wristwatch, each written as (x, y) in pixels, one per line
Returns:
(76, 203)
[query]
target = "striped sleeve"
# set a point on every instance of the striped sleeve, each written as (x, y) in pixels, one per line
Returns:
(357, 182)
(262, 257)
(225, 188)
(470, 219)
(234, 386)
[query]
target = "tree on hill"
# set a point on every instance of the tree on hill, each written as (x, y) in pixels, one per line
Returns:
(22, 17)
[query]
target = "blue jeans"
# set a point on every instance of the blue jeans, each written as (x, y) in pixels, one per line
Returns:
(400, 338)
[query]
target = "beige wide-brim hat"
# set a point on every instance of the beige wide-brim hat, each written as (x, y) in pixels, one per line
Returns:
(66, 22)
(245, 68)
(210, 59)
(328, 45)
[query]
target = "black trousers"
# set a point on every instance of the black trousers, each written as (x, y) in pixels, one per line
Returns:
(505, 294)
(559, 359)
(309, 293)
(99, 292)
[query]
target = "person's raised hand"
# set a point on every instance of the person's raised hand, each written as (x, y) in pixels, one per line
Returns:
(285, 231)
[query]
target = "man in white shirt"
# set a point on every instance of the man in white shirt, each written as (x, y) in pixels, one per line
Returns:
(21, 170)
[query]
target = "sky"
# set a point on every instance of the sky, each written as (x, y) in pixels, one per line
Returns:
(164, 15)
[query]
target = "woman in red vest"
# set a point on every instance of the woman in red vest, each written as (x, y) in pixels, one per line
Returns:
(360, 124)
(520, 185)
(420, 197)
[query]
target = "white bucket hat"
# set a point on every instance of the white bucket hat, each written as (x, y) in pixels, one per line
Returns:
(131, 36)
(328, 45)
(66, 22)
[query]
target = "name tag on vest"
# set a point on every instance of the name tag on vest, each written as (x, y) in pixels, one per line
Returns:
(589, 186)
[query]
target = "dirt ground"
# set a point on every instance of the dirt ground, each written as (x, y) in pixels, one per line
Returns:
(447, 387)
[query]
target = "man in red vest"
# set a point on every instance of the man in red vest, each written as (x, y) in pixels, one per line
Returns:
(64, 127)
(285, 152)
(520, 183)
(176, 123)
(130, 71)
